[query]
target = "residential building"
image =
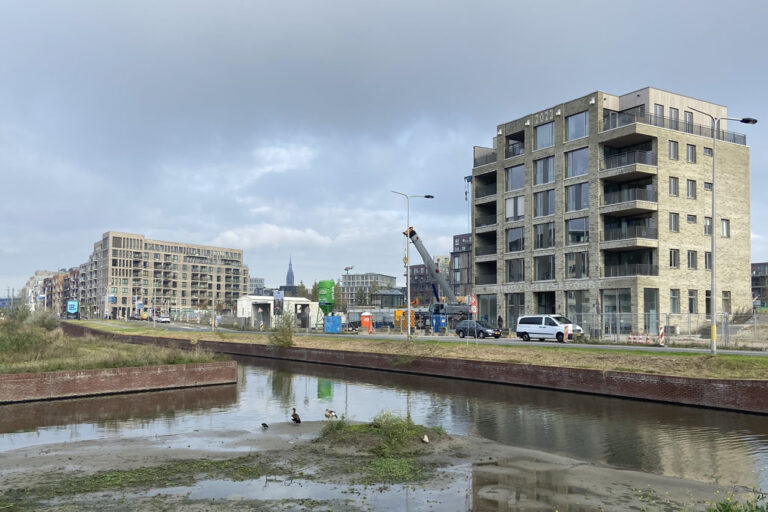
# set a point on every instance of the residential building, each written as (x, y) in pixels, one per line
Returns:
(602, 209)
(423, 286)
(256, 286)
(461, 265)
(759, 281)
(127, 272)
(351, 283)
(32, 293)
(53, 292)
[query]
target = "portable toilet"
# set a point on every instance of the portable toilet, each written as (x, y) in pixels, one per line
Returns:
(366, 321)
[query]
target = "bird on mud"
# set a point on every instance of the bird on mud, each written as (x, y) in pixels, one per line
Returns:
(295, 417)
(264, 426)
(329, 414)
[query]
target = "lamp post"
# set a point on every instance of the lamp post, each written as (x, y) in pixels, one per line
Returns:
(347, 269)
(712, 295)
(408, 253)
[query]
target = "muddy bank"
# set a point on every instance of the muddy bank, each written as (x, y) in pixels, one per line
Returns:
(280, 468)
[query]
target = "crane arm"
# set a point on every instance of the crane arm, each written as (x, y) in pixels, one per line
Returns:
(432, 267)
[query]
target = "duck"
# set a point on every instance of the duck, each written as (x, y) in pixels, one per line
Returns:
(264, 426)
(329, 414)
(295, 417)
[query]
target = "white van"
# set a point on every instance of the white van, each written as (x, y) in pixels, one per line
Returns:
(546, 327)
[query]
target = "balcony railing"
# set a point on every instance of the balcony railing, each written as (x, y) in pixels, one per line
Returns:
(485, 279)
(629, 158)
(630, 194)
(485, 220)
(514, 150)
(631, 269)
(485, 250)
(484, 156)
(485, 190)
(622, 119)
(610, 235)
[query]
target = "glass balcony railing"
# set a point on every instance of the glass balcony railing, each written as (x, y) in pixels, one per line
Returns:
(485, 279)
(612, 234)
(616, 120)
(629, 158)
(484, 156)
(631, 269)
(485, 250)
(485, 220)
(485, 190)
(514, 150)
(630, 194)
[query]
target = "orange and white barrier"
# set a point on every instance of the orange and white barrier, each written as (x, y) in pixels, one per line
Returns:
(565, 334)
(662, 341)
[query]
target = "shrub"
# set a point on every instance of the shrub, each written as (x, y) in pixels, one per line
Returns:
(45, 319)
(282, 335)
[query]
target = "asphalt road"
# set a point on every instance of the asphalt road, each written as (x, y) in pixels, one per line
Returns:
(183, 327)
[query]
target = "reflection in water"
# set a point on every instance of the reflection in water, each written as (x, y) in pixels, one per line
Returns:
(699, 444)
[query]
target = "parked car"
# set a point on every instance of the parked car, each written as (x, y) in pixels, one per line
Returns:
(476, 328)
(546, 327)
(163, 319)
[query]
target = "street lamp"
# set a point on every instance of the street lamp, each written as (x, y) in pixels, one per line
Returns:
(408, 254)
(347, 269)
(712, 295)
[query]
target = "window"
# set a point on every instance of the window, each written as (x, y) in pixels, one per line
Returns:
(688, 121)
(690, 186)
(673, 186)
(577, 162)
(577, 126)
(576, 265)
(674, 114)
(544, 170)
(516, 208)
(674, 258)
(725, 228)
(691, 219)
(545, 135)
(707, 185)
(515, 239)
(693, 301)
(658, 115)
(674, 222)
(674, 301)
(114, 290)
(726, 302)
(577, 231)
(515, 177)
(708, 260)
(693, 258)
(515, 270)
(543, 268)
(673, 150)
(544, 235)
(577, 197)
(707, 151)
(690, 153)
(707, 225)
(544, 203)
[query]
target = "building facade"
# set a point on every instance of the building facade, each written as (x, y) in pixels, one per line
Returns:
(461, 265)
(760, 282)
(600, 208)
(32, 293)
(422, 289)
(127, 272)
(351, 283)
(256, 286)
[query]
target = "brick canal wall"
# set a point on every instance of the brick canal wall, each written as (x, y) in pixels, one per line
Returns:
(64, 384)
(739, 395)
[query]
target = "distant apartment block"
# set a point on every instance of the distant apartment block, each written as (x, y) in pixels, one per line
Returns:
(32, 294)
(760, 281)
(461, 265)
(351, 283)
(127, 272)
(256, 286)
(601, 207)
(422, 283)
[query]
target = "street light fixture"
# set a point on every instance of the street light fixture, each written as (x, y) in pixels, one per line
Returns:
(408, 254)
(712, 295)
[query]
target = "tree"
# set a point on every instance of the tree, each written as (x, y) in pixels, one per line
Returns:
(360, 297)
(301, 290)
(314, 295)
(374, 287)
(339, 303)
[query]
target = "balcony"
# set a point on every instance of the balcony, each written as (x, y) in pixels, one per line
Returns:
(630, 201)
(484, 156)
(485, 190)
(515, 149)
(629, 238)
(617, 120)
(485, 250)
(627, 166)
(485, 220)
(485, 279)
(631, 269)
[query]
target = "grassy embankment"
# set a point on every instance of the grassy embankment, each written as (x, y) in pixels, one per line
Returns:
(36, 343)
(662, 362)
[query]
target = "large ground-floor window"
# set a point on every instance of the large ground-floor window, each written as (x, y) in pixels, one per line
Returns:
(617, 311)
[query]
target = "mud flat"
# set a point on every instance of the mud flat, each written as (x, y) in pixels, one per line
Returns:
(281, 468)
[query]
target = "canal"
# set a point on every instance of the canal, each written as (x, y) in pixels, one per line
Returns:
(720, 447)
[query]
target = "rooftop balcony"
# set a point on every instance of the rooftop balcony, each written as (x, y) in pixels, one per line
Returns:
(484, 156)
(617, 120)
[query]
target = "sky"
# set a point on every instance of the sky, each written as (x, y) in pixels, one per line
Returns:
(281, 127)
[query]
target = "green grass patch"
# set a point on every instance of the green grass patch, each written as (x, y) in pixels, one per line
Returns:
(731, 504)
(393, 470)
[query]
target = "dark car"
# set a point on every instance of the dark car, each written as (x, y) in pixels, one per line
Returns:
(476, 329)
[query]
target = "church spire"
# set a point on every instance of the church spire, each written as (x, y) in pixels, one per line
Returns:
(289, 275)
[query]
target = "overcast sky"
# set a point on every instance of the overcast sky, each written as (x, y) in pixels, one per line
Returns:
(281, 127)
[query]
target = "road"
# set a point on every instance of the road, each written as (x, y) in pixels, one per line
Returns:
(450, 338)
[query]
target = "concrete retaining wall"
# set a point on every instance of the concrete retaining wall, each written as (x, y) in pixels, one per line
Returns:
(43, 386)
(740, 395)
